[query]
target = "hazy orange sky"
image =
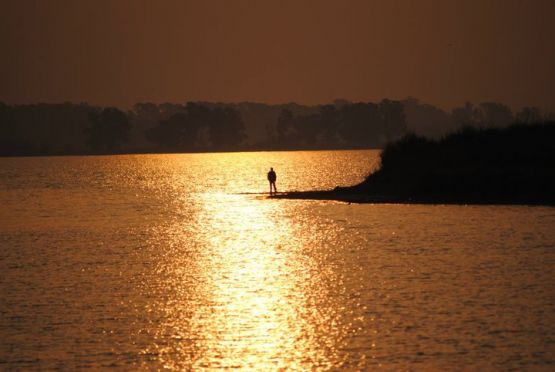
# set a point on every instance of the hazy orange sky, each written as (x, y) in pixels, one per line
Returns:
(120, 52)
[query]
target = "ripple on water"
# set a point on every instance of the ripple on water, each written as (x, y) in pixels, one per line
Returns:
(179, 261)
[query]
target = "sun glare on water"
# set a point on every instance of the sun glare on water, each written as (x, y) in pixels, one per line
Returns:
(251, 283)
(182, 262)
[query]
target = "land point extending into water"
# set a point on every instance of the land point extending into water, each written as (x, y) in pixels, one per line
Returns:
(512, 165)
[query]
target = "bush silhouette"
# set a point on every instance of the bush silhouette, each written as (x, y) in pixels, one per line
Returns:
(513, 164)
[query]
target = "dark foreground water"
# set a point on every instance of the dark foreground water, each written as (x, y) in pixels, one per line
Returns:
(179, 261)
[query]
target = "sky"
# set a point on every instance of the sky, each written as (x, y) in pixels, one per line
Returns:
(444, 52)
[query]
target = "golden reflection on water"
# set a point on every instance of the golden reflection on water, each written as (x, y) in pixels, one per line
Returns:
(174, 261)
(256, 294)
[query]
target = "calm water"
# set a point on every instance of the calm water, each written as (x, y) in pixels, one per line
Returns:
(179, 261)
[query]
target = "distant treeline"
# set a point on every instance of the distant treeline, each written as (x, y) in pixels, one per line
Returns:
(67, 128)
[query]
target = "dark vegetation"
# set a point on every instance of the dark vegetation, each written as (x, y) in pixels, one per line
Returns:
(109, 130)
(199, 127)
(512, 165)
(58, 129)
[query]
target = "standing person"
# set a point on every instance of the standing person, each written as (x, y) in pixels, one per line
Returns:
(272, 179)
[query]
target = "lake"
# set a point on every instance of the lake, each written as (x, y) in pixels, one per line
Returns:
(183, 262)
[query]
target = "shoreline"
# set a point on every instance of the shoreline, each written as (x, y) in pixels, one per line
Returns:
(489, 166)
(362, 198)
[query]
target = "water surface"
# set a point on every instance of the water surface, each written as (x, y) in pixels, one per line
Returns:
(180, 261)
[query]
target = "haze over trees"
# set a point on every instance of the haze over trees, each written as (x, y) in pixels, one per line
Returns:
(353, 125)
(44, 128)
(109, 130)
(199, 127)
(67, 128)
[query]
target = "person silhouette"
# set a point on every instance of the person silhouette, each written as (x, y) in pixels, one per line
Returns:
(272, 179)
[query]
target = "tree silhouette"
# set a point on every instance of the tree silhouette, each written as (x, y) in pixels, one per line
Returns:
(173, 133)
(360, 124)
(528, 115)
(493, 114)
(285, 125)
(199, 127)
(329, 123)
(109, 131)
(226, 128)
(466, 116)
(67, 128)
(393, 119)
(425, 119)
